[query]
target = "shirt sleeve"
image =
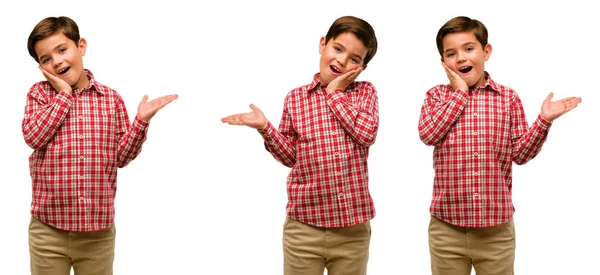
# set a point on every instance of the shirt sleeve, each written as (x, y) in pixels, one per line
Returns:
(440, 110)
(131, 137)
(44, 115)
(526, 142)
(359, 119)
(281, 144)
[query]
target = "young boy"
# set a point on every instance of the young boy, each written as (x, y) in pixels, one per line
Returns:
(478, 128)
(80, 132)
(324, 135)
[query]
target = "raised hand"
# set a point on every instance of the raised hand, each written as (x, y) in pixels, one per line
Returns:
(255, 119)
(341, 82)
(147, 109)
(551, 110)
(57, 83)
(455, 81)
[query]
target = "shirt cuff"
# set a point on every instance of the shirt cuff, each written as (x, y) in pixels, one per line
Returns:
(140, 124)
(65, 99)
(335, 95)
(267, 131)
(544, 124)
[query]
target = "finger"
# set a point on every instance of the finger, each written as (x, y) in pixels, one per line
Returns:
(232, 119)
(254, 108)
(449, 73)
(144, 99)
(549, 97)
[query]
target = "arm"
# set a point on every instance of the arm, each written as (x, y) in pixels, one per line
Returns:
(360, 120)
(440, 110)
(442, 107)
(526, 145)
(130, 138)
(44, 115)
(281, 144)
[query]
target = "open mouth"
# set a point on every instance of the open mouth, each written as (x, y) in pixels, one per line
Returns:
(335, 69)
(465, 69)
(64, 70)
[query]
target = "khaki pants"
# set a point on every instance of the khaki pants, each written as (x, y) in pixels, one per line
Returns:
(308, 250)
(53, 251)
(455, 250)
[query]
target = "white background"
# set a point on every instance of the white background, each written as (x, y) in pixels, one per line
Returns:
(206, 198)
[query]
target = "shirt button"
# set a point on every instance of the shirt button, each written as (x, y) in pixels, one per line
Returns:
(81, 157)
(80, 177)
(80, 117)
(338, 173)
(80, 136)
(334, 133)
(474, 114)
(81, 198)
(475, 174)
(474, 133)
(331, 114)
(476, 194)
(336, 153)
(341, 195)
(475, 154)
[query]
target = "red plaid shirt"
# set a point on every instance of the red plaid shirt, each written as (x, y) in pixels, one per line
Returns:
(477, 135)
(79, 141)
(325, 139)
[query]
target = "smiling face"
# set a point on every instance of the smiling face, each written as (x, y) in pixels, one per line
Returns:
(340, 55)
(464, 54)
(60, 56)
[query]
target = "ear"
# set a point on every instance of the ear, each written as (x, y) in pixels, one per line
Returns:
(487, 50)
(322, 43)
(82, 45)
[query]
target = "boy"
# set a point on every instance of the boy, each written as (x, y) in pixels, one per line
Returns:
(324, 136)
(478, 128)
(80, 132)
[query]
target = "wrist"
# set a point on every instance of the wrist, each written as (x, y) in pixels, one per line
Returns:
(264, 126)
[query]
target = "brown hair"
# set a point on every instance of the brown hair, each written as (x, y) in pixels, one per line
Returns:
(49, 26)
(462, 24)
(361, 28)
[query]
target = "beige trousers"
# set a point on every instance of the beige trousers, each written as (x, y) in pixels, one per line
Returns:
(455, 250)
(53, 251)
(308, 250)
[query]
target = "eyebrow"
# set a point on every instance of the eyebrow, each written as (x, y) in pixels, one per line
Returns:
(57, 46)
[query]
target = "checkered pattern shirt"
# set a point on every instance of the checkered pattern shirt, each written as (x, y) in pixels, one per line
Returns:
(79, 140)
(325, 140)
(477, 135)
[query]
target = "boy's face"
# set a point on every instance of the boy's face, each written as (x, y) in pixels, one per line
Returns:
(466, 57)
(58, 55)
(340, 55)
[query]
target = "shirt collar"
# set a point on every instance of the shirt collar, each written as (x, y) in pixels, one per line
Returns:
(489, 82)
(92, 85)
(315, 84)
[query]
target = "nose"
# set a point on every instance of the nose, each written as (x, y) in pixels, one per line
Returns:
(341, 59)
(57, 60)
(461, 56)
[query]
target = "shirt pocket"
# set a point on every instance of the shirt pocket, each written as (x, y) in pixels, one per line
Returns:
(498, 130)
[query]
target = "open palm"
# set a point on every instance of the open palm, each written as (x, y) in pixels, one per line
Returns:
(255, 119)
(552, 110)
(147, 109)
